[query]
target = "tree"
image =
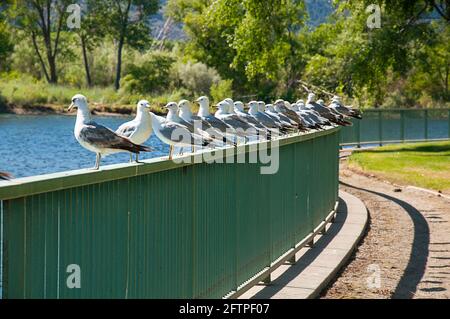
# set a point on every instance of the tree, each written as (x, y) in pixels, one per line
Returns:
(251, 42)
(128, 22)
(6, 46)
(43, 22)
(91, 31)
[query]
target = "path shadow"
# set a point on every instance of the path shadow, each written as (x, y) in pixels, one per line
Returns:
(293, 271)
(415, 269)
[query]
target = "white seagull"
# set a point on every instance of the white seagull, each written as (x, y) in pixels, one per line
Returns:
(98, 138)
(174, 134)
(140, 128)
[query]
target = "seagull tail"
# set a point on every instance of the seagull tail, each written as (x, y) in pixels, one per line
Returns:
(143, 148)
(5, 176)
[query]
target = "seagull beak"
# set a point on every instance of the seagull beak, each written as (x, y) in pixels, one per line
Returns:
(147, 106)
(70, 107)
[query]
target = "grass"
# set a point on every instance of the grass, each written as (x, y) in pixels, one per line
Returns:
(423, 164)
(29, 94)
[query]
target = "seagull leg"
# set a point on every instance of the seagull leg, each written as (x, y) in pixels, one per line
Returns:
(131, 158)
(170, 152)
(137, 158)
(97, 161)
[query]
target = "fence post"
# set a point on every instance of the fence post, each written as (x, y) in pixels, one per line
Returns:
(358, 134)
(448, 118)
(402, 126)
(426, 124)
(380, 128)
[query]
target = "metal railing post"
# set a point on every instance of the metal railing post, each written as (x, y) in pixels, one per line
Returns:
(448, 118)
(358, 134)
(380, 128)
(402, 126)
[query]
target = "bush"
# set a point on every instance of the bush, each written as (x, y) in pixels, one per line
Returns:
(197, 78)
(222, 90)
(152, 75)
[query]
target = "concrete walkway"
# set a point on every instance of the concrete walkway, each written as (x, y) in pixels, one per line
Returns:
(317, 266)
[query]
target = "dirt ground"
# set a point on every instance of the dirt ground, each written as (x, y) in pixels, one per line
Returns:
(406, 251)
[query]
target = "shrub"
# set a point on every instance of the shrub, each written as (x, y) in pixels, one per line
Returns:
(152, 75)
(222, 90)
(196, 77)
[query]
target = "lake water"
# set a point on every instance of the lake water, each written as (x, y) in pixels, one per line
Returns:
(39, 144)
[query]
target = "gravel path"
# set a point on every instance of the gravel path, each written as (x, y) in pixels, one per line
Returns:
(406, 252)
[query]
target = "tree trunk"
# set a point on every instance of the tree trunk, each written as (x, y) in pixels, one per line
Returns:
(52, 67)
(86, 62)
(119, 62)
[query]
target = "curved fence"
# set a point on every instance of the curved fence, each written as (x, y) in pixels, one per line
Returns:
(162, 229)
(380, 126)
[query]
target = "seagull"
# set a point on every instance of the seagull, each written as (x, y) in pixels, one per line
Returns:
(139, 129)
(174, 134)
(172, 116)
(5, 176)
(280, 107)
(239, 110)
(280, 117)
(265, 119)
(203, 112)
(184, 111)
(324, 111)
(98, 138)
(345, 110)
(315, 116)
(234, 120)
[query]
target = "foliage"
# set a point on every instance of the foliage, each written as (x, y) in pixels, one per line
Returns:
(151, 75)
(197, 78)
(222, 90)
(6, 45)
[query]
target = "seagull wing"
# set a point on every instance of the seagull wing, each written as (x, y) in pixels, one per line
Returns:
(178, 133)
(127, 129)
(102, 137)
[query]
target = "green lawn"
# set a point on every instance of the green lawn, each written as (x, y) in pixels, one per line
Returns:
(420, 164)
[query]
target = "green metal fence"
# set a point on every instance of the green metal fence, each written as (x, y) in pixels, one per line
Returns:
(160, 229)
(380, 126)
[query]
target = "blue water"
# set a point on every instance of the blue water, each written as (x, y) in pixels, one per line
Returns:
(34, 145)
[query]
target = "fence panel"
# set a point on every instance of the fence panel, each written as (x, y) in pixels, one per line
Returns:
(160, 229)
(380, 126)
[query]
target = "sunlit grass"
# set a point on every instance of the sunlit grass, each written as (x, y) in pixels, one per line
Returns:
(30, 93)
(423, 164)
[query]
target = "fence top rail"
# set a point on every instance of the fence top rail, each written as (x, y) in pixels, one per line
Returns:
(405, 109)
(33, 185)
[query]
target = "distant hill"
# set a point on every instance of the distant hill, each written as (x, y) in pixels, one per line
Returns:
(318, 11)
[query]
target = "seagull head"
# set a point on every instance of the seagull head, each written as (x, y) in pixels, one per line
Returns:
(299, 102)
(261, 106)
(230, 104)
(239, 106)
(78, 101)
(184, 105)
(203, 101)
(253, 105)
(279, 102)
(336, 99)
(142, 105)
(287, 104)
(223, 106)
(269, 107)
(311, 97)
(321, 102)
(172, 106)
